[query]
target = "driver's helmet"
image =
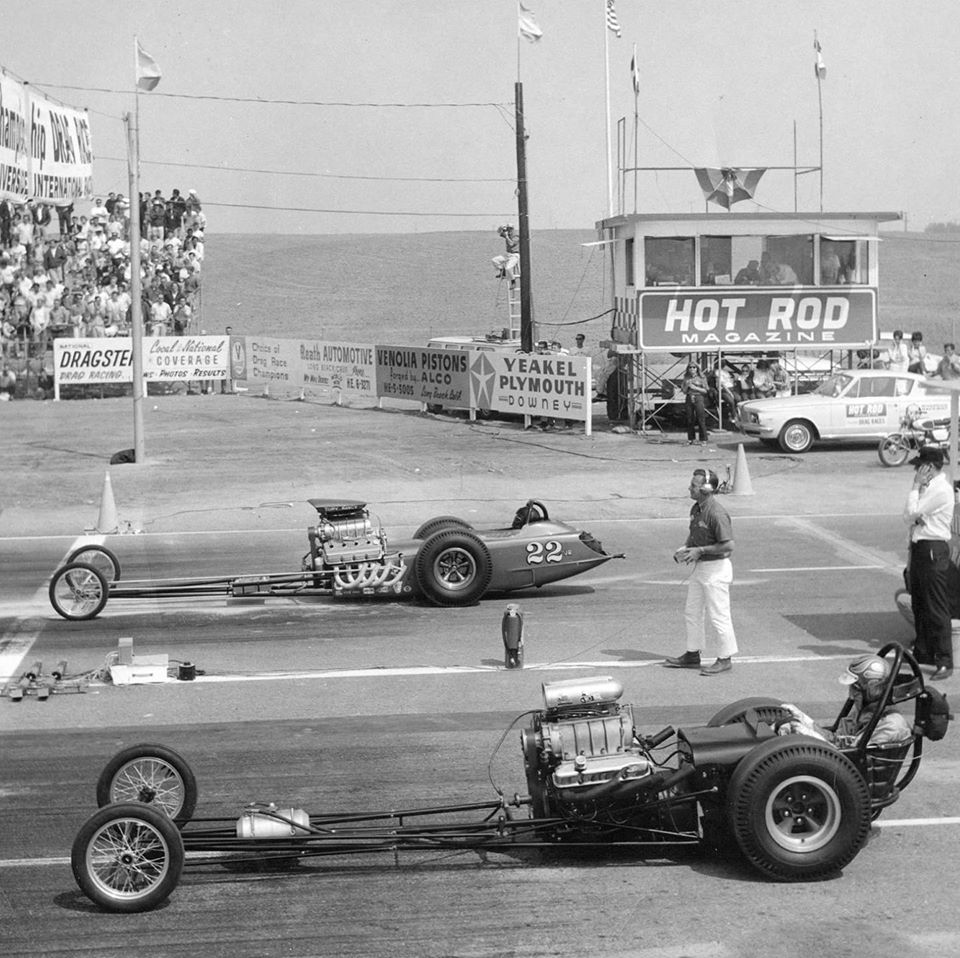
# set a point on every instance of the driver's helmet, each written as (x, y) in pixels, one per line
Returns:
(868, 673)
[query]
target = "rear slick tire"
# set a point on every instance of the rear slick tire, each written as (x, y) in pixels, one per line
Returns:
(798, 808)
(453, 568)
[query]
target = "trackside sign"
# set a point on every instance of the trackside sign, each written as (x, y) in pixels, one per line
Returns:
(832, 317)
(533, 385)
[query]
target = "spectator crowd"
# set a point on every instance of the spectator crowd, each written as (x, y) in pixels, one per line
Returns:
(68, 275)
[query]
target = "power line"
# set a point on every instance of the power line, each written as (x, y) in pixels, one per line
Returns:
(275, 102)
(324, 175)
(313, 209)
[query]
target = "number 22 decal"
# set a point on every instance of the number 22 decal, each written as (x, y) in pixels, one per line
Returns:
(540, 552)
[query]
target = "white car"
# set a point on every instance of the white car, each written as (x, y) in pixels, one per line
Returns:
(855, 404)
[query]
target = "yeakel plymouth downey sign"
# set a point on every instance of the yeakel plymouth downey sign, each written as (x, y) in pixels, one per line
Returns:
(728, 317)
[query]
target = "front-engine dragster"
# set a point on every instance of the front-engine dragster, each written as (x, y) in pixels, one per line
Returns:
(797, 807)
(447, 562)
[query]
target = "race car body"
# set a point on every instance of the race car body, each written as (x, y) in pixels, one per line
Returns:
(798, 808)
(447, 563)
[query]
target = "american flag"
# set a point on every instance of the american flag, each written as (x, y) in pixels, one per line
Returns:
(612, 22)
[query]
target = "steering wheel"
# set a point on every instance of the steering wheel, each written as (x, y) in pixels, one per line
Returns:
(531, 511)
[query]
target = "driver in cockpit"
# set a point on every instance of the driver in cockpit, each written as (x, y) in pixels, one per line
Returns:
(866, 677)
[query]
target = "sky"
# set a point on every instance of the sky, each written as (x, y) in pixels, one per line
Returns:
(399, 114)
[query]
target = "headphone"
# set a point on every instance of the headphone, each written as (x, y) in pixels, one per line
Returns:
(711, 480)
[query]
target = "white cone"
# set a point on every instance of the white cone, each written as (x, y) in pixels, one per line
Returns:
(741, 475)
(107, 522)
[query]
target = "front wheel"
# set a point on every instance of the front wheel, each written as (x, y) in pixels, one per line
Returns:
(100, 557)
(796, 436)
(78, 591)
(153, 775)
(893, 449)
(127, 858)
(798, 808)
(453, 567)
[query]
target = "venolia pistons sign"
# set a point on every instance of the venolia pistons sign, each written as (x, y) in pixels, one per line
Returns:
(808, 317)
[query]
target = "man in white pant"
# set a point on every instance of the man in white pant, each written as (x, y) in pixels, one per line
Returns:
(709, 546)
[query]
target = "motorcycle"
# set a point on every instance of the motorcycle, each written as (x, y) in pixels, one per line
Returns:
(915, 431)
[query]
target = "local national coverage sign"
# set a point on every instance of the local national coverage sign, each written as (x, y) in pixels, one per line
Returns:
(832, 317)
(165, 359)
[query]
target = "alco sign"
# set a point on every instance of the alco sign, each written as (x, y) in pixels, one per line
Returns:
(724, 318)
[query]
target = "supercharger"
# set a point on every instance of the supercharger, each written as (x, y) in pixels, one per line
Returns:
(581, 755)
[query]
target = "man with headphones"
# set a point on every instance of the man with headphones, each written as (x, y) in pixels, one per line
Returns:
(708, 547)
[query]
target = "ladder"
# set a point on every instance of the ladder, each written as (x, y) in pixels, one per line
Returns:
(513, 305)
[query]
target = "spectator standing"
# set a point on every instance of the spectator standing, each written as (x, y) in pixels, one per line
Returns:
(694, 387)
(6, 222)
(929, 512)
(709, 546)
(916, 354)
(8, 383)
(949, 365)
(897, 357)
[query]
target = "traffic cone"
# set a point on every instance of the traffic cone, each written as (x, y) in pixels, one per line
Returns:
(107, 522)
(741, 475)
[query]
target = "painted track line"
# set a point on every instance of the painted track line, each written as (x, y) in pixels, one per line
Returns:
(16, 642)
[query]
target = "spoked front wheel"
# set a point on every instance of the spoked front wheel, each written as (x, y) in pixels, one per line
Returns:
(78, 591)
(152, 774)
(127, 858)
(100, 557)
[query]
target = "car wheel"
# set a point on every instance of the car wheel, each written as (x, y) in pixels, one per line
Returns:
(453, 567)
(78, 591)
(127, 858)
(893, 450)
(438, 524)
(798, 808)
(767, 710)
(152, 775)
(796, 436)
(100, 557)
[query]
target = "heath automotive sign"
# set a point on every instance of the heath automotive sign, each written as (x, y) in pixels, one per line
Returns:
(834, 317)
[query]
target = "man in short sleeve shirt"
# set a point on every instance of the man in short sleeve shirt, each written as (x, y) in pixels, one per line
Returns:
(708, 547)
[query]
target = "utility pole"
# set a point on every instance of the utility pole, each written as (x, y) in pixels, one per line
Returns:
(526, 288)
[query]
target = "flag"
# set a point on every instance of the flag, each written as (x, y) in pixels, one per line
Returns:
(820, 71)
(148, 73)
(728, 186)
(612, 22)
(635, 72)
(527, 23)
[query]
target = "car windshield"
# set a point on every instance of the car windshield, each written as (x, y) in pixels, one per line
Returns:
(833, 386)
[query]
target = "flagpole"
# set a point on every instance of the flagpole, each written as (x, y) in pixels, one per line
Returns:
(636, 123)
(606, 70)
(136, 310)
(816, 44)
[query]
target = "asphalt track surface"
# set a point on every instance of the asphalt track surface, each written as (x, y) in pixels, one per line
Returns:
(327, 705)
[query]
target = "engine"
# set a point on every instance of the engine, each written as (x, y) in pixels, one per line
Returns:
(581, 755)
(349, 549)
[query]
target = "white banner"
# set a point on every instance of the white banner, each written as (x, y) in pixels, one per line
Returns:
(165, 359)
(45, 148)
(14, 141)
(61, 161)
